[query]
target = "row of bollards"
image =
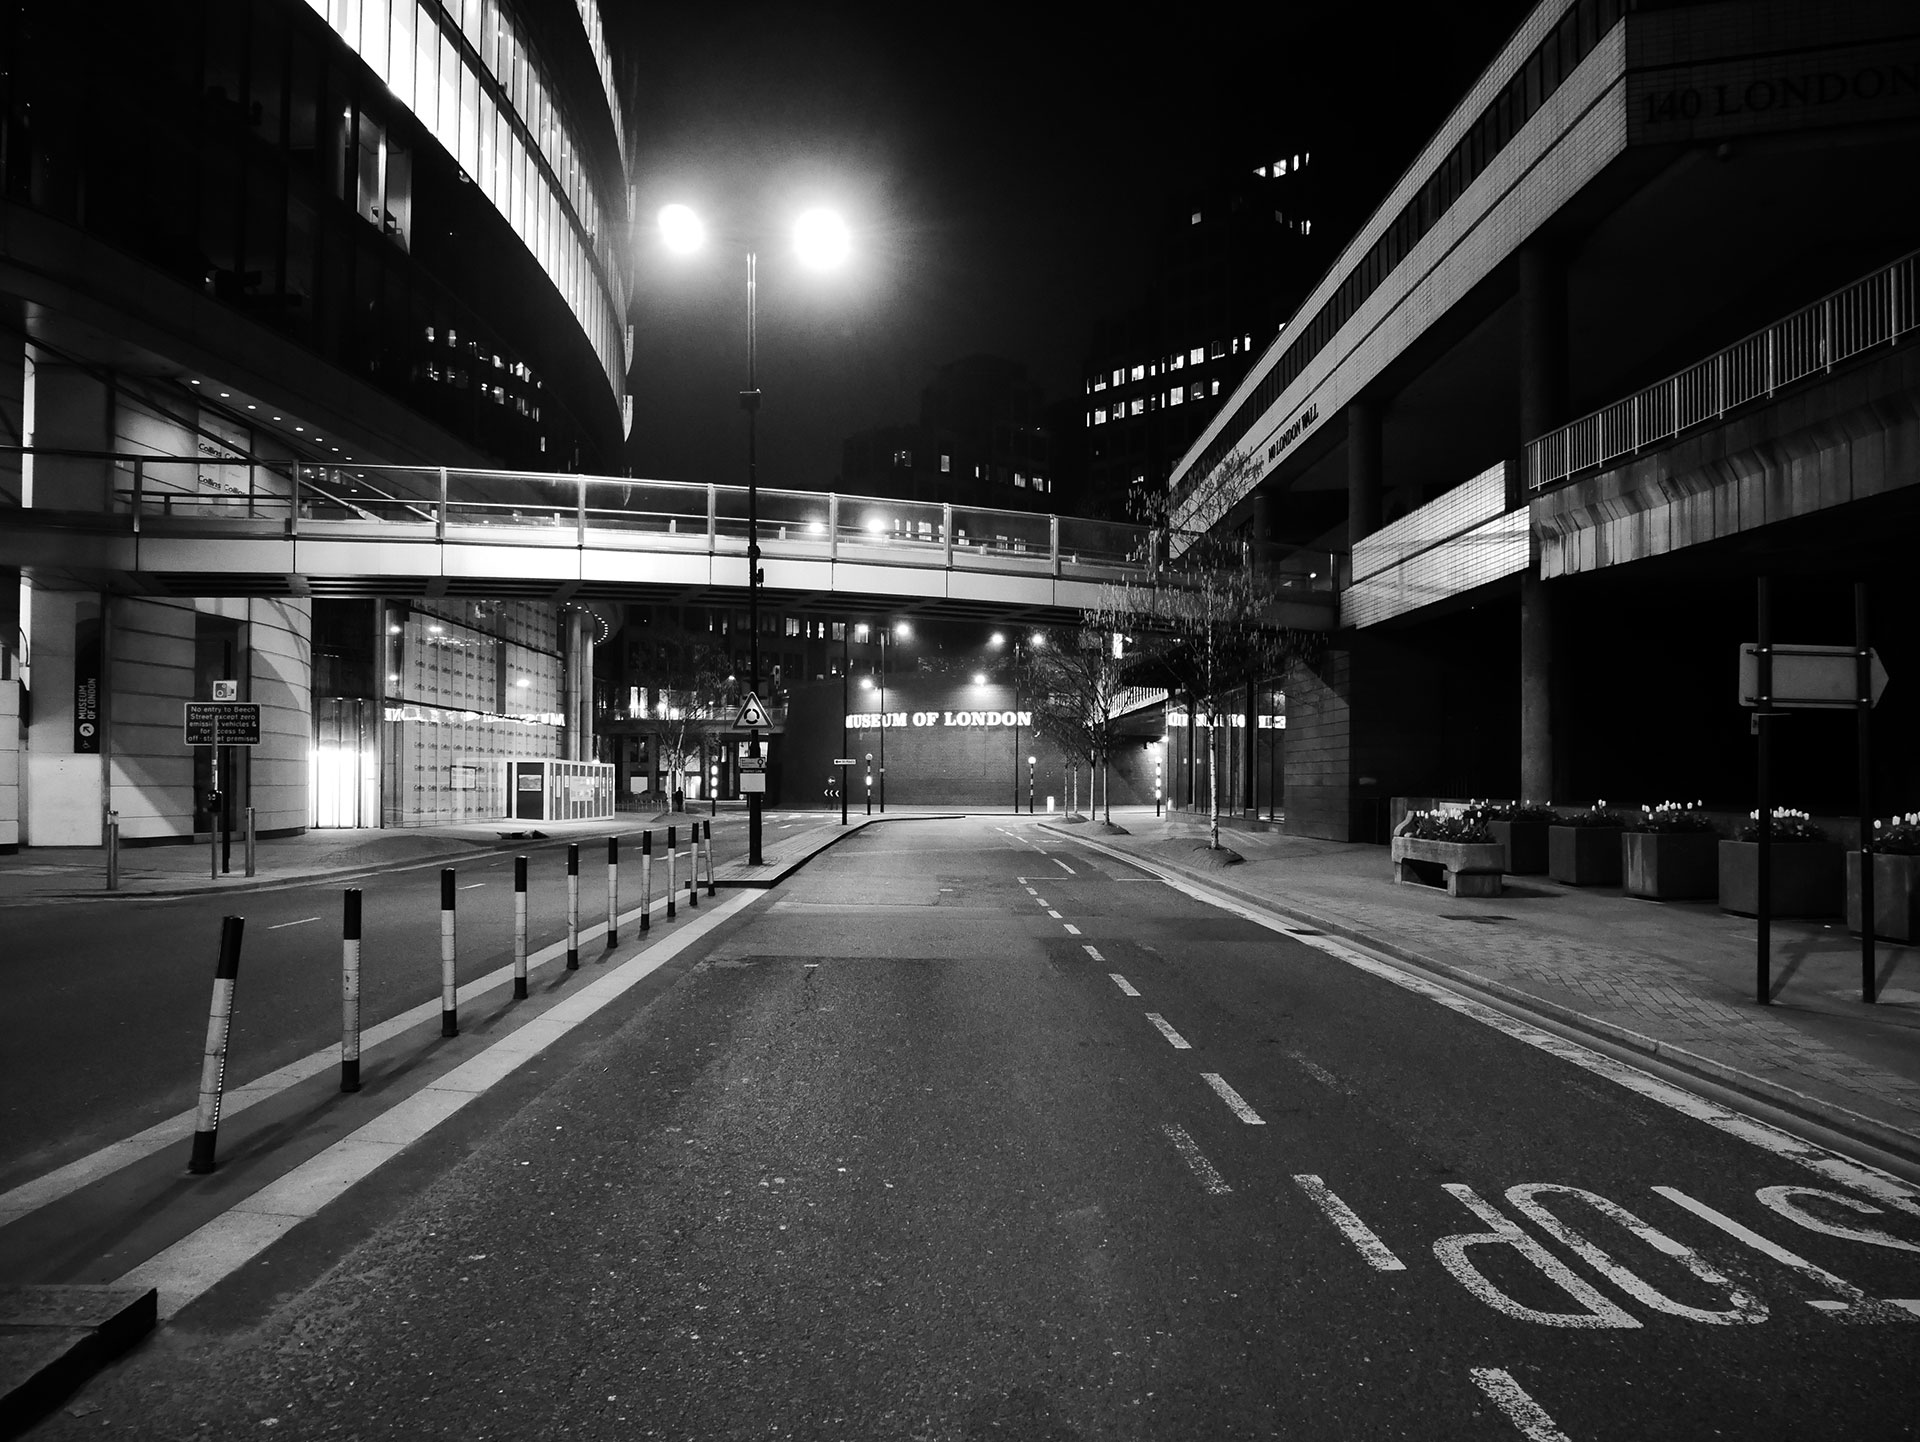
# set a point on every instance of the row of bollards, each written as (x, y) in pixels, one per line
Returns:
(213, 1067)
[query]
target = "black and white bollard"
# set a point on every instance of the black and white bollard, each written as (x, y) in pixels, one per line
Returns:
(573, 907)
(646, 881)
(706, 835)
(350, 991)
(613, 892)
(672, 842)
(519, 928)
(213, 1066)
(449, 983)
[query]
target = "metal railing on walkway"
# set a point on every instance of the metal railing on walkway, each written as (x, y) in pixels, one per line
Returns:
(1876, 310)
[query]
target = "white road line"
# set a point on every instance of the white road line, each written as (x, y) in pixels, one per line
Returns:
(1812, 1271)
(1039, 898)
(1379, 1256)
(1861, 1177)
(202, 1258)
(281, 925)
(1209, 1174)
(1161, 1025)
(1236, 1103)
(1071, 928)
(1094, 952)
(1064, 867)
(470, 885)
(1126, 987)
(1054, 914)
(1525, 1413)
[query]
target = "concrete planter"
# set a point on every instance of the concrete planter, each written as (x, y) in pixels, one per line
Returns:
(1525, 843)
(1671, 865)
(1896, 896)
(1806, 878)
(1466, 868)
(1584, 855)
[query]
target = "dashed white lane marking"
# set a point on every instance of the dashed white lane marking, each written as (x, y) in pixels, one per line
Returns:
(1161, 1025)
(471, 884)
(1126, 987)
(1236, 1103)
(1861, 1177)
(1064, 867)
(278, 926)
(1093, 951)
(1039, 898)
(222, 1246)
(1071, 928)
(1511, 1398)
(1379, 1256)
(1205, 1170)
(1054, 914)
(1868, 1307)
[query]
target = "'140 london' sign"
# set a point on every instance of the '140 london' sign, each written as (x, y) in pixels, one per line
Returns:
(888, 720)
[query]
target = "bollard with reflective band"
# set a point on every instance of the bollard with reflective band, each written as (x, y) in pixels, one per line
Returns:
(672, 842)
(613, 892)
(519, 928)
(350, 991)
(213, 1066)
(646, 880)
(449, 984)
(706, 835)
(573, 907)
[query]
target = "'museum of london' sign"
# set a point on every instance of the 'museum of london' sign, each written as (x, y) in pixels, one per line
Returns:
(877, 720)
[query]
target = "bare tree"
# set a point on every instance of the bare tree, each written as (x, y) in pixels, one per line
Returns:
(1074, 682)
(1203, 622)
(690, 695)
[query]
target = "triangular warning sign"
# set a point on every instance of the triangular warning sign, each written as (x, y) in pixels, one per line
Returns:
(753, 716)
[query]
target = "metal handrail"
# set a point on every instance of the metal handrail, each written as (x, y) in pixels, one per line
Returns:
(1875, 310)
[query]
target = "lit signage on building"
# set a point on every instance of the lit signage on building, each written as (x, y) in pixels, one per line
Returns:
(892, 720)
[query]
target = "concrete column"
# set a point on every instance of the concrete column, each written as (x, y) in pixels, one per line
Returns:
(1543, 399)
(579, 693)
(1363, 470)
(13, 383)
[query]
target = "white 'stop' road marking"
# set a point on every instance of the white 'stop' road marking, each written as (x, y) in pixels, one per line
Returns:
(1071, 927)
(1209, 1175)
(1126, 987)
(1064, 867)
(1525, 1413)
(1235, 1102)
(301, 922)
(1093, 951)
(1160, 1023)
(1378, 1255)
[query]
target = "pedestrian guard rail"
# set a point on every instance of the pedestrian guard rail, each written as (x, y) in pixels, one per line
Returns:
(1875, 310)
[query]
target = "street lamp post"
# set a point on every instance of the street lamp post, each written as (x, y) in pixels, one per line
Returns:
(997, 640)
(822, 240)
(846, 678)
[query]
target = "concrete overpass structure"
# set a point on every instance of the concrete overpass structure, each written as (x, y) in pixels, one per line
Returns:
(1633, 331)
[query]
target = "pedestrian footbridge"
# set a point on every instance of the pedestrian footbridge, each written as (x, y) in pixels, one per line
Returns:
(233, 526)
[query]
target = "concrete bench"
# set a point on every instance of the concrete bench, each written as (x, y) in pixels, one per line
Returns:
(1469, 868)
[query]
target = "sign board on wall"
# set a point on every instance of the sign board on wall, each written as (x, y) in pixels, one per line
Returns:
(86, 689)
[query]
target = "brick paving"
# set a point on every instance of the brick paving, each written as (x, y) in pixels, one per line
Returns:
(1673, 978)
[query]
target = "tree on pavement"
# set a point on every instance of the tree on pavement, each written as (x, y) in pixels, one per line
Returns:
(1075, 687)
(690, 694)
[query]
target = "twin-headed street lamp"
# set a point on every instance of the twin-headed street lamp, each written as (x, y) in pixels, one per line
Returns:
(821, 240)
(1033, 642)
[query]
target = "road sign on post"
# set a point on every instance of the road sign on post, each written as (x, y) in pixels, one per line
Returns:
(753, 716)
(1810, 677)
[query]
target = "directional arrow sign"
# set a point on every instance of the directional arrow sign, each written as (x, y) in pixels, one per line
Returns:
(1811, 676)
(753, 716)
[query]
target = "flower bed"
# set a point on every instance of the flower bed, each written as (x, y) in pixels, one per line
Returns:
(1805, 873)
(1583, 849)
(1672, 853)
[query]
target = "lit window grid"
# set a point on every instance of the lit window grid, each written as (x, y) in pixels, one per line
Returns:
(448, 97)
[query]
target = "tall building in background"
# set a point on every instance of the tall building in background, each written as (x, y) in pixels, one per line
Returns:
(982, 440)
(245, 236)
(1233, 258)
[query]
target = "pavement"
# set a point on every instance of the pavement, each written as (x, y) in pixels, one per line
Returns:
(1671, 980)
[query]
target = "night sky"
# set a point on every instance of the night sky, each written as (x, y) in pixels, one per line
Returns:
(1002, 168)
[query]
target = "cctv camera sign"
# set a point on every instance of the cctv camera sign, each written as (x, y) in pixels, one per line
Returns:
(892, 720)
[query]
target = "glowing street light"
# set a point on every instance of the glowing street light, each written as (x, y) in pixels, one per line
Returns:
(822, 241)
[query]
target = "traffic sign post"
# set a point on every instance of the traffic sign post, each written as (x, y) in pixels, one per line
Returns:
(753, 719)
(1775, 678)
(845, 782)
(216, 724)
